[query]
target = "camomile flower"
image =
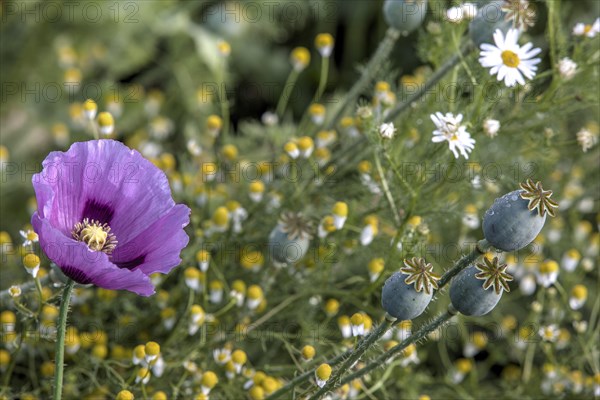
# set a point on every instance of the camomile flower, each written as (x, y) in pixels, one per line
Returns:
(567, 68)
(581, 29)
(449, 129)
(509, 60)
(387, 130)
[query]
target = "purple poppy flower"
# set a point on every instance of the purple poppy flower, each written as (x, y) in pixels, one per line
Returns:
(106, 216)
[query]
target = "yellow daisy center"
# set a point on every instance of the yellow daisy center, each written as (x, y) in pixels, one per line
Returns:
(510, 59)
(96, 235)
(587, 29)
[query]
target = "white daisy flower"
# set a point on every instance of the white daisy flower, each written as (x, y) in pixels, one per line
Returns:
(30, 237)
(454, 14)
(549, 333)
(590, 31)
(491, 127)
(387, 130)
(586, 139)
(567, 68)
(449, 129)
(509, 60)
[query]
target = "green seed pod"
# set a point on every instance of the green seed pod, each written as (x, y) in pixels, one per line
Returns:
(476, 290)
(515, 219)
(290, 239)
(405, 15)
(404, 300)
(489, 18)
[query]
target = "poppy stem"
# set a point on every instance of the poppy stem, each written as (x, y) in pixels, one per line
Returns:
(323, 79)
(60, 339)
(285, 95)
(361, 348)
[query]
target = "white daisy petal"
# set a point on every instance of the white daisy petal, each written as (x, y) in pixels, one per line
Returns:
(509, 61)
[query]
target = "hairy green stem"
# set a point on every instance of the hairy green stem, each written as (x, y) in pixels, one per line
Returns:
(398, 175)
(552, 12)
(461, 264)
(381, 54)
(466, 260)
(60, 339)
(224, 101)
(415, 337)
(386, 190)
(285, 95)
(362, 347)
(308, 374)
(323, 79)
(465, 49)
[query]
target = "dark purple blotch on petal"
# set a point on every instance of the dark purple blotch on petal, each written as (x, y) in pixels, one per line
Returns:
(138, 208)
(76, 274)
(131, 264)
(97, 211)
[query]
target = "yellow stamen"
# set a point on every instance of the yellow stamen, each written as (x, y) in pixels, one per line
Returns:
(510, 59)
(96, 235)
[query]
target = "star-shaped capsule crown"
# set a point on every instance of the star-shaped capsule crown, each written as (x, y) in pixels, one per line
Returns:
(520, 12)
(421, 273)
(538, 198)
(296, 225)
(493, 273)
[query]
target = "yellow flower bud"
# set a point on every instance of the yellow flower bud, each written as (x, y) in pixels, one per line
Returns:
(257, 187)
(376, 265)
(324, 43)
(106, 123)
(269, 385)
(255, 292)
(579, 292)
(89, 109)
(365, 167)
(221, 216)
(256, 393)
(209, 379)
(229, 152)
(152, 349)
(316, 109)
(160, 395)
(548, 267)
(239, 357)
(214, 123)
(340, 208)
(125, 395)
(382, 86)
(357, 319)
(464, 365)
(300, 58)
(224, 48)
(332, 306)
(202, 256)
(308, 352)
(323, 372)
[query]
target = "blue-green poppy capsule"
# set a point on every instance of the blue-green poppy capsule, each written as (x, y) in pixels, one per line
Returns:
(290, 239)
(406, 294)
(489, 18)
(515, 219)
(477, 289)
(405, 15)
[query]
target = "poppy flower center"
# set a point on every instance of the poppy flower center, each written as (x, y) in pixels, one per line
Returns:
(97, 236)
(510, 59)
